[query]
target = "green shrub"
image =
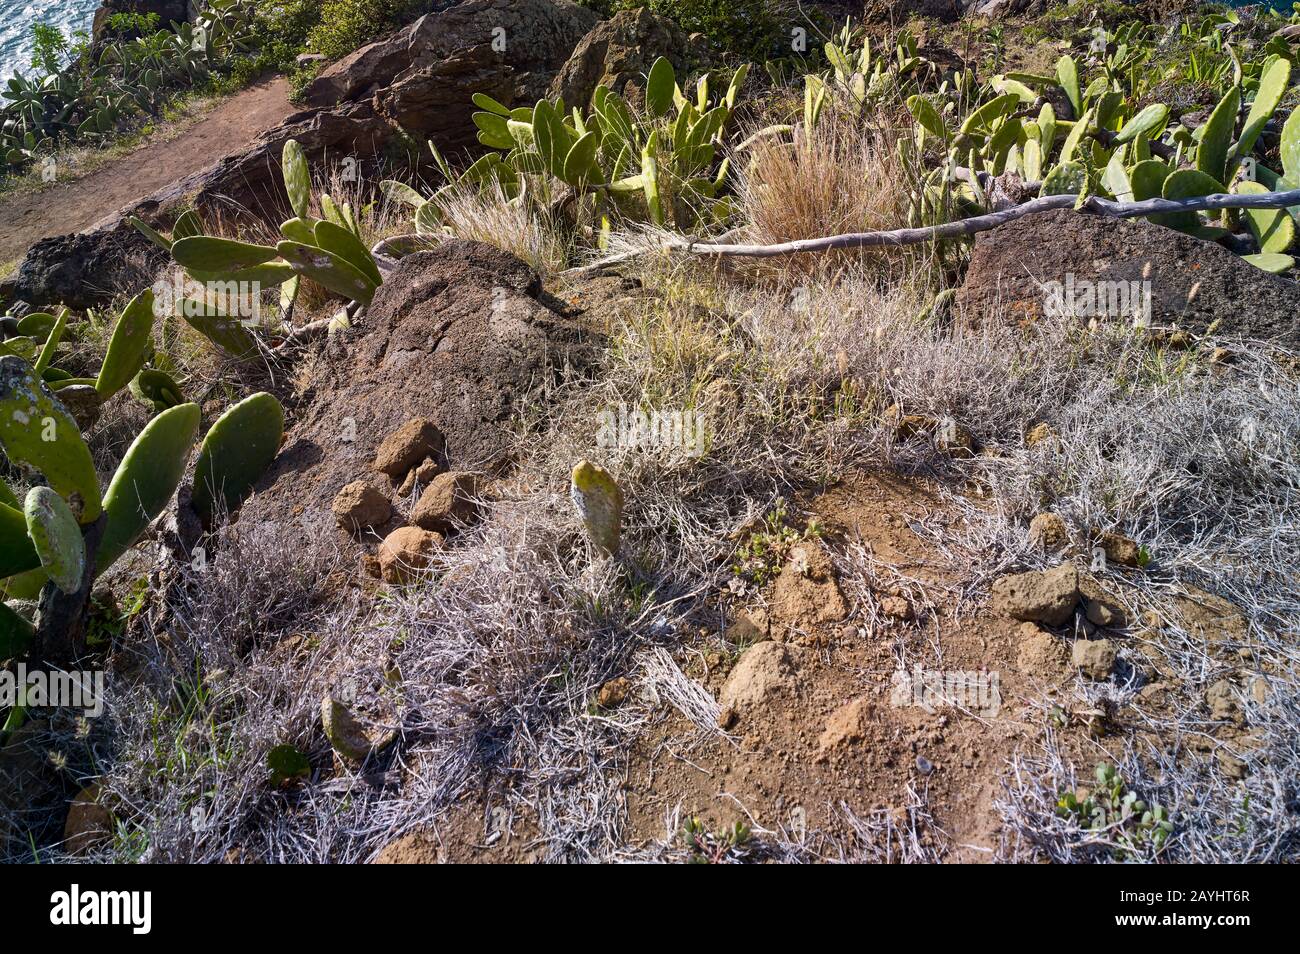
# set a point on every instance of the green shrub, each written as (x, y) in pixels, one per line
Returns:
(750, 28)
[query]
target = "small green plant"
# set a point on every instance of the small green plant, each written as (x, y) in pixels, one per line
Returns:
(1135, 826)
(711, 848)
(765, 551)
(49, 48)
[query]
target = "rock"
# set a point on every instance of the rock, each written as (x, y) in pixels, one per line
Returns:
(405, 552)
(88, 824)
(896, 607)
(620, 51)
(889, 11)
(447, 503)
(1095, 658)
(1047, 596)
(405, 447)
(349, 736)
(1222, 700)
(361, 505)
(806, 592)
(751, 626)
(307, 59)
(86, 269)
(1120, 550)
(421, 78)
(1010, 262)
(1040, 654)
(1231, 765)
(168, 12)
(1047, 531)
(1038, 433)
(420, 476)
(949, 436)
(613, 693)
(846, 725)
(1099, 605)
(764, 671)
(457, 336)
(83, 403)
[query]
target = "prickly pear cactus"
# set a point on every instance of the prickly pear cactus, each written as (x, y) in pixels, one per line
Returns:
(297, 178)
(17, 555)
(236, 452)
(157, 388)
(16, 633)
(600, 502)
(56, 537)
(37, 431)
(146, 479)
(129, 346)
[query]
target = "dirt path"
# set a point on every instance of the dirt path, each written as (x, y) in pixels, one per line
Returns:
(72, 206)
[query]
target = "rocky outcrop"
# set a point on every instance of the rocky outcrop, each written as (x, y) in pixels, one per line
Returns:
(168, 11)
(416, 82)
(422, 77)
(620, 52)
(461, 337)
(1192, 282)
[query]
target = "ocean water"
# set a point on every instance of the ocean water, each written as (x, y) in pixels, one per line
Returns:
(17, 17)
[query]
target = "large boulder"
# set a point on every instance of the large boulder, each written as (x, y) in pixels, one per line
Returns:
(1192, 282)
(621, 51)
(460, 336)
(85, 269)
(422, 77)
(168, 11)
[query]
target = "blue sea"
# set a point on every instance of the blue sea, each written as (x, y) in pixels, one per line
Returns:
(17, 17)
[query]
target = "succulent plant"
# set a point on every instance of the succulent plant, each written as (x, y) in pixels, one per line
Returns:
(600, 502)
(236, 451)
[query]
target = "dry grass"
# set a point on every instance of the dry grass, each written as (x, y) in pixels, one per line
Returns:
(517, 227)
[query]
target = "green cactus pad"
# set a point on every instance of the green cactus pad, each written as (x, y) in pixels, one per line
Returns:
(228, 334)
(300, 230)
(16, 633)
(51, 345)
(146, 479)
(162, 241)
(267, 275)
(297, 178)
(328, 270)
(129, 346)
(187, 226)
(1067, 178)
(1144, 122)
(1216, 136)
(37, 325)
(38, 432)
(236, 452)
(1274, 262)
(17, 554)
(1273, 80)
(343, 243)
(204, 253)
(56, 537)
(157, 388)
(1186, 184)
(1273, 229)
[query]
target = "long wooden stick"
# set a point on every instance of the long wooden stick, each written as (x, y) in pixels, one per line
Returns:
(966, 227)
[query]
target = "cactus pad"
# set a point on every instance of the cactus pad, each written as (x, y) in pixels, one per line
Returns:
(56, 537)
(236, 452)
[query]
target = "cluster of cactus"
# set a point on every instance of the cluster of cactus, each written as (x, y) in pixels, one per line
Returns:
(42, 537)
(1129, 821)
(660, 166)
(1095, 141)
(129, 78)
(328, 251)
(860, 80)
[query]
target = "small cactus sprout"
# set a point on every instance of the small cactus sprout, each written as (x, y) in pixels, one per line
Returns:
(600, 502)
(56, 537)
